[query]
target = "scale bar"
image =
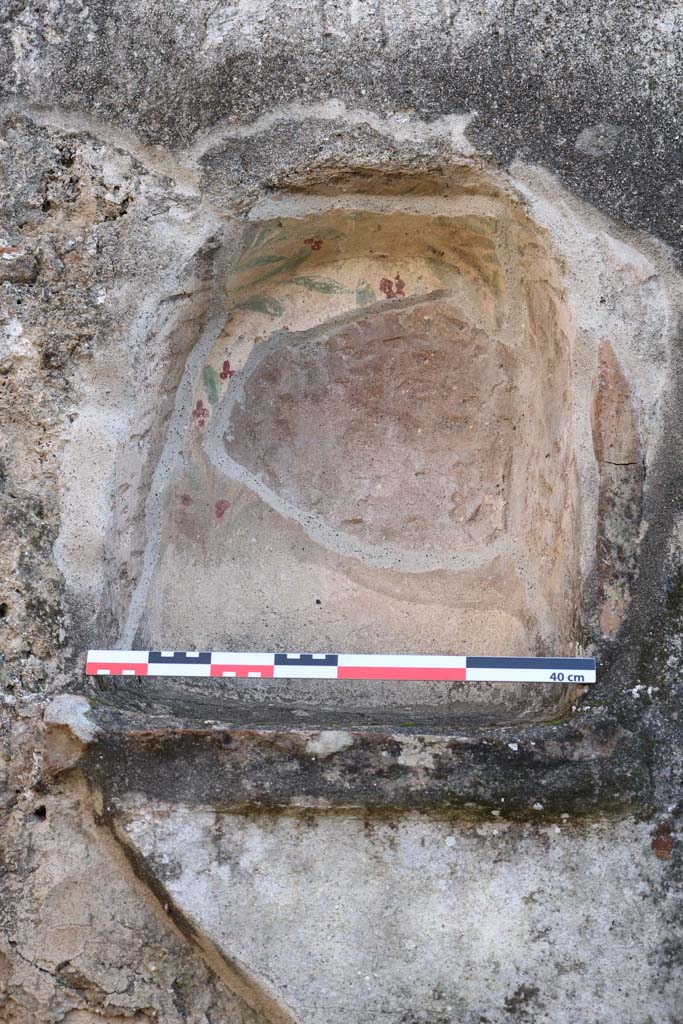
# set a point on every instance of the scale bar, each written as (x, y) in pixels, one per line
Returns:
(418, 667)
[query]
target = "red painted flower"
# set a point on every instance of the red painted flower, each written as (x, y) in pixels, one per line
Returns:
(186, 500)
(200, 413)
(221, 507)
(392, 289)
(315, 243)
(226, 373)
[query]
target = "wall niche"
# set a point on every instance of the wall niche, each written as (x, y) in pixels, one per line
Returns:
(396, 443)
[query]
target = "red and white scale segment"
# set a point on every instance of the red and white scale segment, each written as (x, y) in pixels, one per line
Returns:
(423, 667)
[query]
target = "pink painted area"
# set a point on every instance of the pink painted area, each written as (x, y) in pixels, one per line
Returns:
(221, 507)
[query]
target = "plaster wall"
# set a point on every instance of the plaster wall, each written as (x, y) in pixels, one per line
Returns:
(180, 854)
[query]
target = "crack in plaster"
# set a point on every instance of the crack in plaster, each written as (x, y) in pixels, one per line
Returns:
(257, 993)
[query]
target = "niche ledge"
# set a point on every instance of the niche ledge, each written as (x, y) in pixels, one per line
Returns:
(255, 759)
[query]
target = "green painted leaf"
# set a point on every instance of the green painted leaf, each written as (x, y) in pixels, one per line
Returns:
(276, 239)
(210, 378)
(262, 304)
(260, 261)
(261, 235)
(364, 293)
(321, 284)
(265, 238)
(291, 264)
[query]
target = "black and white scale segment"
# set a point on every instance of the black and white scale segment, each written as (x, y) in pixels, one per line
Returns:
(419, 667)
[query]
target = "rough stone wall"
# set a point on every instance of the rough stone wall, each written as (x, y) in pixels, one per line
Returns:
(170, 854)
